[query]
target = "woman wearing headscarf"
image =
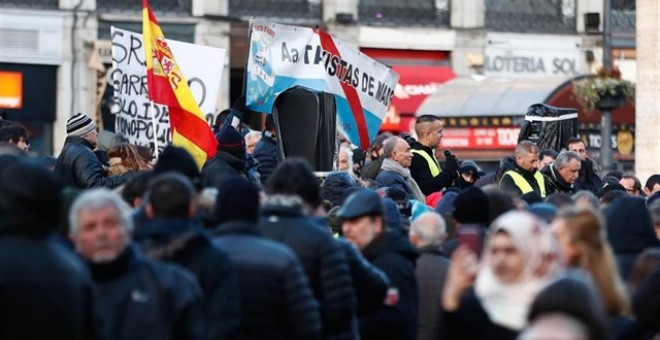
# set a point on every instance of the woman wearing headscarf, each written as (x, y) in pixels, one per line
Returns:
(517, 262)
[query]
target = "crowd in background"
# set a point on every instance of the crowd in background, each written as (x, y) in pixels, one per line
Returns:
(403, 241)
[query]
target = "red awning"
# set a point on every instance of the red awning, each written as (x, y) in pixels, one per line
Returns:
(416, 83)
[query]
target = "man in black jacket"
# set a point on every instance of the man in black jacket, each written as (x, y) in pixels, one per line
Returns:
(364, 225)
(172, 235)
(562, 174)
(77, 164)
(277, 301)
(424, 167)
(523, 176)
(267, 152)
(228, 161)
(293, 195)
(137, 298)
(45, 290)
(588, 179)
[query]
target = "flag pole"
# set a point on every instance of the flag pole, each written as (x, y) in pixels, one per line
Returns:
(154, 125)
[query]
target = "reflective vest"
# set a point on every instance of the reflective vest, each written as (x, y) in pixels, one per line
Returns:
(522, 183)
(433, 165)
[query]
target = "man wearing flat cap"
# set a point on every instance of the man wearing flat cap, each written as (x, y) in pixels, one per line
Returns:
(363, 224)
(77, 164)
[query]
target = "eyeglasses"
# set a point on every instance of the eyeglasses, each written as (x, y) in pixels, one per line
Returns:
(630, 190)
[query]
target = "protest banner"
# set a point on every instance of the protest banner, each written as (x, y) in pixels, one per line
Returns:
(281, 57)
(202, 66)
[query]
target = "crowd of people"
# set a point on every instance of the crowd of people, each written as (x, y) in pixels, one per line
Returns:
(403, 241)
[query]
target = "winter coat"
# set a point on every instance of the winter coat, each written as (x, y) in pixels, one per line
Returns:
(555, 183)
(142, 299)
(470, 322)
(431, 272)
(393, 179)
(335, 185)
(79, 167)
(395, 256)
(588, 178)
(181, 242)
(277, 301)
(45, 291)
(220, 167)
(370, 283)
(268, 155)
(323, 261)
(629, 231)
(421, 173)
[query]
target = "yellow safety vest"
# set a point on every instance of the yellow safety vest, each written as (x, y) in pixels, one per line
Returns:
(522, 183)
(433, 165)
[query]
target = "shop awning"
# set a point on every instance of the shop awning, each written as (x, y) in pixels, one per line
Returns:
(468, 97)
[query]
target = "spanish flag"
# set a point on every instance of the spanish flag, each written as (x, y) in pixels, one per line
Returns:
(168, 86)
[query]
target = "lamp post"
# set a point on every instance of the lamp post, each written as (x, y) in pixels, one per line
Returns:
(606, 113)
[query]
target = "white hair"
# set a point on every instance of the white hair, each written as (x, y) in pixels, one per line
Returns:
(430, 228)
(97, 199)
(251, 136)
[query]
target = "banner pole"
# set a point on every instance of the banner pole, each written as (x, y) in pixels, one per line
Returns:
(154, 125)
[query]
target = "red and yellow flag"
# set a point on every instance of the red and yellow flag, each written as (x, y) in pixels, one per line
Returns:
(168, 86)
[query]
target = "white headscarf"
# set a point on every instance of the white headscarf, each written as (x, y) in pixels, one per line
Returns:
(507, 304)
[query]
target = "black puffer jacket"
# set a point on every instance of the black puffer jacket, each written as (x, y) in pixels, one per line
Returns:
(276, 299)
(268, 155)
(421, 173)
(323, 261)
(142, 299)
(220, 167)
(79, 167)
(181, 242)
(335, 185)
(395, 256)
(507, 183)
(555, 183)
(588, 179)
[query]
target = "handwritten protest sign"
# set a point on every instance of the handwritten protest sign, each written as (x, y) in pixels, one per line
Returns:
(202, 66)
(284, 56)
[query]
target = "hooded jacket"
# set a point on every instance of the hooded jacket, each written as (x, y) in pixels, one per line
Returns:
(79, 167)
(335, 185)
(181, 242)
(276, 299)
(220, 167)
(393, 254)
(588, 178)
(323, 261)
(629, 231)
(420, 171)
(142, 299)
(555, 183)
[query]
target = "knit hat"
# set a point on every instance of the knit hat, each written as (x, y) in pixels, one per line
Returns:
(231, 141)
(178, 159)
(471, 206)
(237, 200)
(79, 125)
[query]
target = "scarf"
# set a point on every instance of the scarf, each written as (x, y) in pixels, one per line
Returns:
(394, 166)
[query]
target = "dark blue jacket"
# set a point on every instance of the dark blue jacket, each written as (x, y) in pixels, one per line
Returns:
(268, 155)
(394, 255)
(142, 299)
(323, 261)
(392, 179)
(220, 167)
(45, 291)
(182, 242)
(277, 301)
(78, 166)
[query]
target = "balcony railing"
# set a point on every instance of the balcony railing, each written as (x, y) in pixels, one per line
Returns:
(297, 11)
(393, 13)
(531, 16)
(36, 4)
(171, 7)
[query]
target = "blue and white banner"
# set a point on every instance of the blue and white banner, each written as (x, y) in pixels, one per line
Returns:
(282, 57)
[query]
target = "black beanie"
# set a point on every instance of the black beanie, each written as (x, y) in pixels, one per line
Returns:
(179, 160)
(237, 200)
(231, 141)
(471, 206)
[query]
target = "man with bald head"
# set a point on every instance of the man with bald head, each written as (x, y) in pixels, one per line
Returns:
(424, 167)
(394, 170)
(427, 233)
